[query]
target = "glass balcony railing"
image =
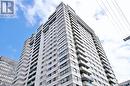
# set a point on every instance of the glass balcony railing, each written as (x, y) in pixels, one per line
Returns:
(85, 70)
(86, 77)
(110, 75)
(86, 83)
(83, 63)
(112, 81)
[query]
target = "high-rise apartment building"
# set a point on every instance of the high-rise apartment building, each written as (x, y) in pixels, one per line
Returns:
(7, 71)
(23, 64)
(66, 52)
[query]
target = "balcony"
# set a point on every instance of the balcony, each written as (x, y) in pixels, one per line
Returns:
(98, 46)
(86, 77)
(112, 81)
(103, 59)
(76, 32)
(32, 75)
(83, 63)
(86, 83)
(85, 70)
(106, 66)
(23, 65)
(105, 62)
(21, 77)
(33, 70)
(100, 52)
(73, 24)
(80, 51)
(30, 82)
(82, 57)
(22, 69)
(77, 37)
(108, 71)
(80, 46)
(110, 75)
(79, 42)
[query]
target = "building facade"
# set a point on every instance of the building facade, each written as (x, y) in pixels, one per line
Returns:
(126, 83)
(66, 52)
(7, 71)
(23, 64)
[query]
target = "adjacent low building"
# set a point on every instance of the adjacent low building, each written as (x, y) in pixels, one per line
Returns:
(125, 83)
(7, 71)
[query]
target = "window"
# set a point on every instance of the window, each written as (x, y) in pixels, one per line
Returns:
(71, 84)
(49, 68)
(55, 85)
(49, 82)
(41, 72)
(63, 58)
(76, 78)
(52, 21)
(49, 75)
(71, 46)
(54, 55)
(70, 41)
(61, 32)
(63, 37)
(64, 64)
(72, 56)
(49, 63)
(63, 40)
(71, 51)
(46, 29)
(62, 47)
(63, 52)
(41, 77)
(65, 79)
(75, 70)
(43, 58)
(54, 60)
(55, 78)
(54, 72)
(54, 65)
(50, 53)
(77, 85)
(40, 83)
(74, 63)
(49, 58)
(42, 66)
(64, 71)
(42, 62)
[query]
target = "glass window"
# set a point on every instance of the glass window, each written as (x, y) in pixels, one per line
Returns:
(64, 64)
(75, 70)
(76, 78)
(64, 71)
(63, 58)
(62, 47)
(65, 79)
(63, 52)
